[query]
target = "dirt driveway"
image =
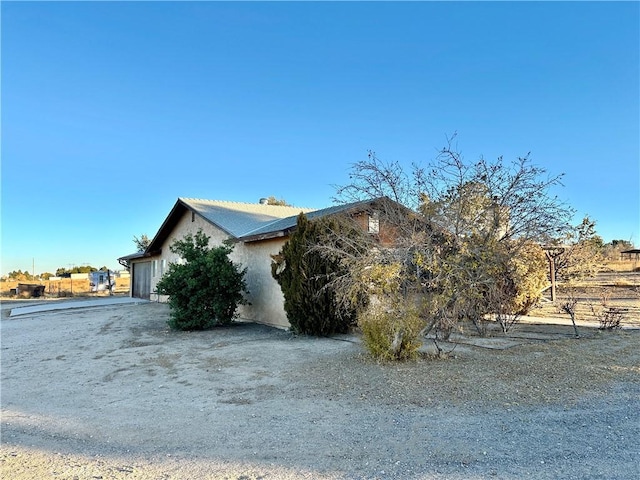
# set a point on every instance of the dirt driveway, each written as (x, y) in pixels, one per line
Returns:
(111, 393)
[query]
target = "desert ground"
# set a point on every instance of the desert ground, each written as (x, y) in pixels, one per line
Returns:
(65, 287)
(112, 393)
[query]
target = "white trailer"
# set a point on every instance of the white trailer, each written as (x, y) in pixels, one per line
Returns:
(101, 281)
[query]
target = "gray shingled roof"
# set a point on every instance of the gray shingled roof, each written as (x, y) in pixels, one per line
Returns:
(247, 222)
(238, 219)
(286, 224)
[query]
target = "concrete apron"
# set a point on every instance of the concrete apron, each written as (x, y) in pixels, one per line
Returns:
(68, 304)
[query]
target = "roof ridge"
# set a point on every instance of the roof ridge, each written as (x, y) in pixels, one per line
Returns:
(233, 202)
(246, 234)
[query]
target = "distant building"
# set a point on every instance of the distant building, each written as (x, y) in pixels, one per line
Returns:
(101, 281)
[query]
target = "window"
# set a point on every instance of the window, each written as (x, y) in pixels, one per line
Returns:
(374, 223)
(154, 267)
(163, 266)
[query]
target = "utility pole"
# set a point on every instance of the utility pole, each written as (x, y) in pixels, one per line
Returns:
(70, 277)
(109, 282)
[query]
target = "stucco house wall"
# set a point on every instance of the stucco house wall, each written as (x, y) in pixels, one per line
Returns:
(266, 302)
(265, 294)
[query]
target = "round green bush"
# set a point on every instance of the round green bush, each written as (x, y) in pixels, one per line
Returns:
(390, 335)
(206, 289)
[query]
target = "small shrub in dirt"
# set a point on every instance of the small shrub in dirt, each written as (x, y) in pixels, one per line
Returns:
(391, 334)
(207, 289)
(610, 318)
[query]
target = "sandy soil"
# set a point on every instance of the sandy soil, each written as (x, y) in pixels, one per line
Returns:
(111, 393)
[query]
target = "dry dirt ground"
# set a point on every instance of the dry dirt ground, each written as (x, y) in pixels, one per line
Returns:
(111, 393)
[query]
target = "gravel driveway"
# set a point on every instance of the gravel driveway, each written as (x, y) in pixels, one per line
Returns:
(111, 393)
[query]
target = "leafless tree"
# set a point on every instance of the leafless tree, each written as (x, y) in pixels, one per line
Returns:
(453, 228)
(570, 306)
(583, 254)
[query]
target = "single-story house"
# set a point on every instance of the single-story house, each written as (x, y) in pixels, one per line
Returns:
(258, 230)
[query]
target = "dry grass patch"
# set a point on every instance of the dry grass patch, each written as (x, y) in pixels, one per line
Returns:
(558, 371)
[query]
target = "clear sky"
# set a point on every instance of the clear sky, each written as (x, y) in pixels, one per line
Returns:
(111, 111)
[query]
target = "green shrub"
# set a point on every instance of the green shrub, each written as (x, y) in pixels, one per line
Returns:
(206, 289)
(306, 277)
(391, 334)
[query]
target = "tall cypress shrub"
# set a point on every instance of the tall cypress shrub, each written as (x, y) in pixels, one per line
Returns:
(305, 277)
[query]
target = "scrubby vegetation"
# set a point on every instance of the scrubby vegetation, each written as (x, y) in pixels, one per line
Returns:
(391, 334)
(463, 241)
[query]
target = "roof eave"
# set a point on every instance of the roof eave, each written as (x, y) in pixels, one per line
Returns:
(170, 222)
(265, 236)
(314, 215)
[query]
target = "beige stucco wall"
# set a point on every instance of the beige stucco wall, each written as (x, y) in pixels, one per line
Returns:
(265, 297)
(185, 226)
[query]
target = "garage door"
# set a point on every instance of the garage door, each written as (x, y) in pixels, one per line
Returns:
(141, 281)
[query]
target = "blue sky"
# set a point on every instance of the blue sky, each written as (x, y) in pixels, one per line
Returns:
(111, 111)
